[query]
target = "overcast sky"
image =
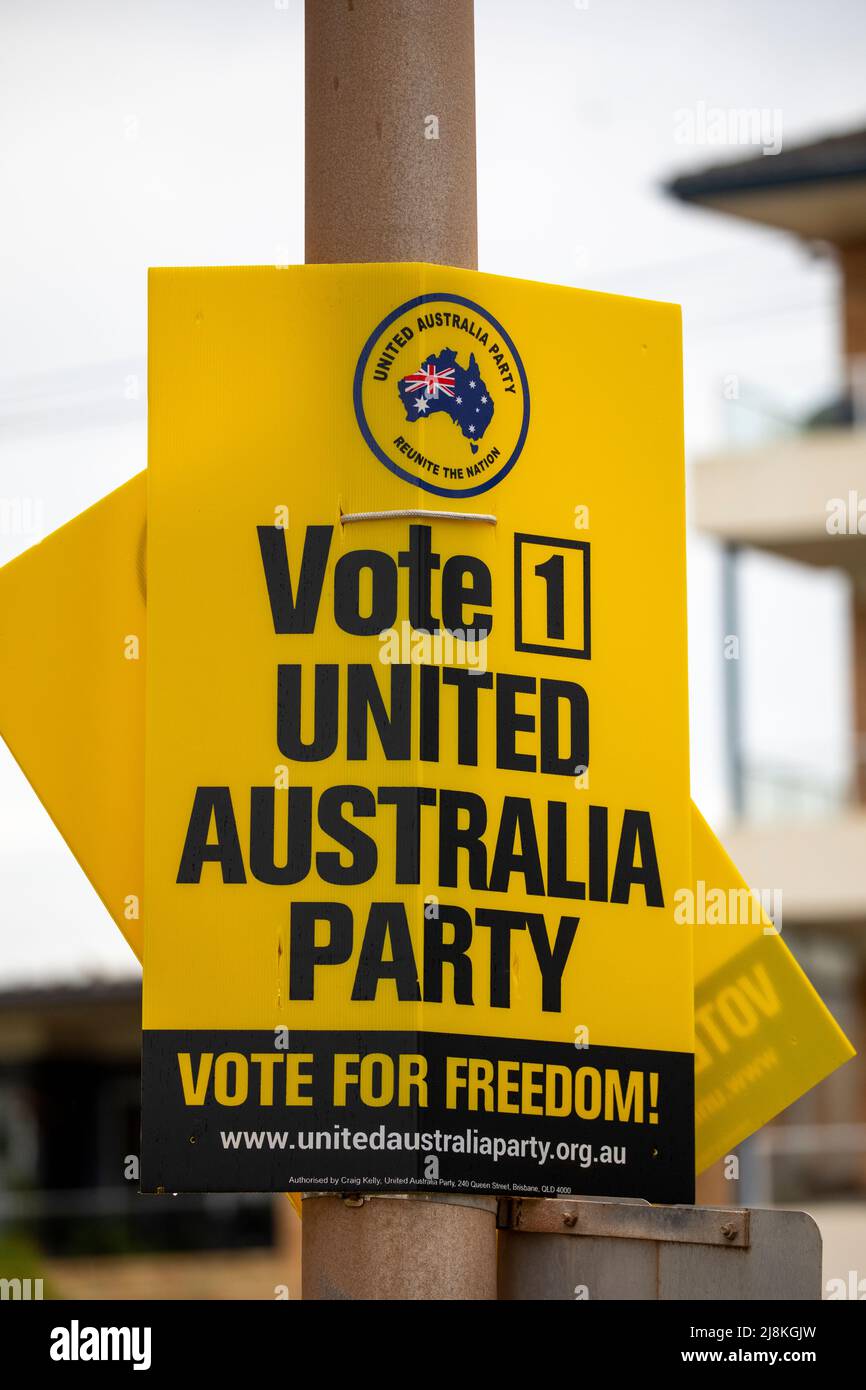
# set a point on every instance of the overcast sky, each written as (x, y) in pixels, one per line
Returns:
(171, 132)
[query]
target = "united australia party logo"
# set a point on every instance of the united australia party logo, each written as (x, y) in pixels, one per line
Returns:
(441, 396)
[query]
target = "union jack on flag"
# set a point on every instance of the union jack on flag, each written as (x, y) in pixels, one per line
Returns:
(431, 381)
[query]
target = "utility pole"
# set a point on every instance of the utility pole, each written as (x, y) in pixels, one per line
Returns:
(390, 176)
(390, 132)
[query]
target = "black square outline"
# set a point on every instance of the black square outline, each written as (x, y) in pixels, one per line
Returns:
(521, 538)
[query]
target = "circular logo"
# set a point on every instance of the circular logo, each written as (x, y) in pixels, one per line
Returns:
(441, 396)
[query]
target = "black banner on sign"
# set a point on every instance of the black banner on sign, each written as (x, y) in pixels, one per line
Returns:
(238, 1110)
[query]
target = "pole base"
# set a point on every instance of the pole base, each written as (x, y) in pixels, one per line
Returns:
(402, 1247)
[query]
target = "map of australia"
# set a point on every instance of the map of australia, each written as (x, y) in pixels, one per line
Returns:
(442, 386)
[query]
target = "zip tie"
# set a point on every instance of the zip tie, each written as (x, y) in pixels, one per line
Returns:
(412, 512)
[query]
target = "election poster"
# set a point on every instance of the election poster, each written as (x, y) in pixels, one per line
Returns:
(417, 783)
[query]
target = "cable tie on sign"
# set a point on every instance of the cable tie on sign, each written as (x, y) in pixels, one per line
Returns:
(411, 513)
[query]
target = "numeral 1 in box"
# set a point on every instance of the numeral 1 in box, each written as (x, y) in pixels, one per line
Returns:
(551, 596)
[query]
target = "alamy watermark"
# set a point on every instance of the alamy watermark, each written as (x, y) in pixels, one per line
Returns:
(22, 516)
(77, 1343)
(732, 907)
(21, 1290)
(846, 516)
(413, 646)
(701, 124)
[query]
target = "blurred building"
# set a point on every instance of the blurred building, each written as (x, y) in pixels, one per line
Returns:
(70, 1211)
(802, 495)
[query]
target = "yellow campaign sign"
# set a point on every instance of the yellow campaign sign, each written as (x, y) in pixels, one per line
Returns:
(762, 1034)
(80, 595)
(72, 647)
(413, 826)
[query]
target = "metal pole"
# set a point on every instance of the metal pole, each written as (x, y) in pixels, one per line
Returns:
(390, 176)
(390, 131)
(420, 1247)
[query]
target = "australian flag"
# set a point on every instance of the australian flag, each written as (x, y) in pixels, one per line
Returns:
(442, 386)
